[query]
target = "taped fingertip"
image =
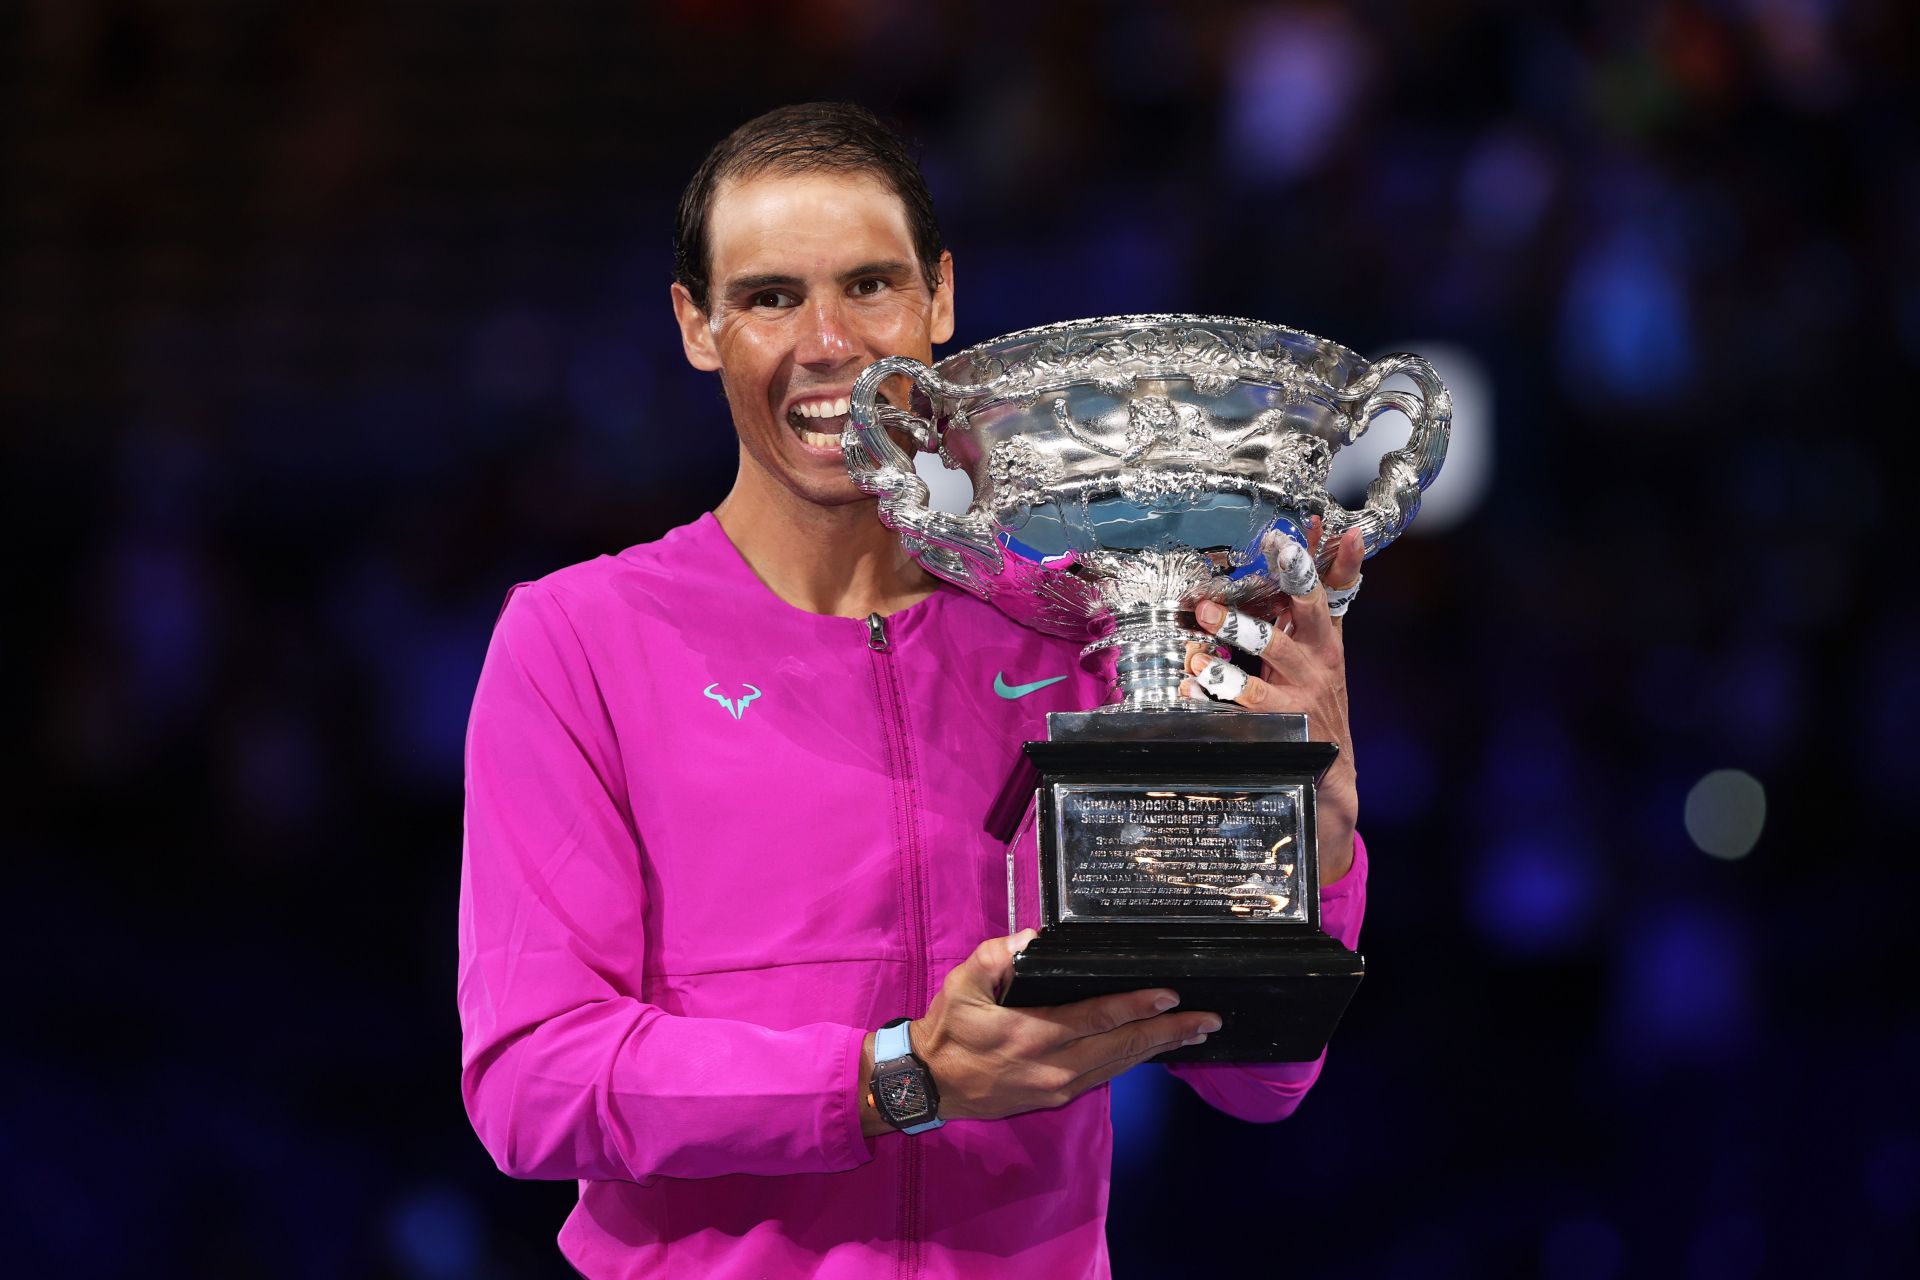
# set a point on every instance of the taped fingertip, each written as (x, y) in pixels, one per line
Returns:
(1289, 564)
(1247, 633)
(1339, 599)
(1222, 680)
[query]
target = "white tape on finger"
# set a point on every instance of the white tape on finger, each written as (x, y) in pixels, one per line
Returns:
(1246, 632)
(1338, 598)
(1289, 565)
(1222, 680)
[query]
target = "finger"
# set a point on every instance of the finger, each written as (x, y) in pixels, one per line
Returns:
(1217, 678)
(1194, 646)
(988, 969)
(1241, 630)
(1344, 569)
(1343, 575)
(1101, 1058)
(1102, 1015)
(1312, 624)
(1290, 566)
(1224, 682)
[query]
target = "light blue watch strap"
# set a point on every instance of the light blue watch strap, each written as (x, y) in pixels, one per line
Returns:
(897, 1042)
(891, 1042)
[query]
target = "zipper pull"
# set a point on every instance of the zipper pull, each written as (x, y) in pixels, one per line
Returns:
(876, 633)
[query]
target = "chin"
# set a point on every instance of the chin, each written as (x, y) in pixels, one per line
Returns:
(838, 496)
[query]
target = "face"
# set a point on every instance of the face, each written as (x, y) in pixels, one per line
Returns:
(814, 278)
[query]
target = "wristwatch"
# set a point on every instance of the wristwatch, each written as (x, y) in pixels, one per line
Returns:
(903, 1091)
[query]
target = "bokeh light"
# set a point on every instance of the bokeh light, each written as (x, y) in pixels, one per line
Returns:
(1726, 812)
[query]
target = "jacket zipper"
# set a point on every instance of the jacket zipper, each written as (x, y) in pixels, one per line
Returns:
(893, 718)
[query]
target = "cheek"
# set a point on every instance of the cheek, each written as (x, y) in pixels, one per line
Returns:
(750, 353)
(897, 316)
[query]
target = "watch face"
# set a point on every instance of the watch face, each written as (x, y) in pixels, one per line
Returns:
(902, 1096)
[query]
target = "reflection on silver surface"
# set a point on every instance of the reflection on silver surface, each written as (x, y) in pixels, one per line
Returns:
(1126, 468)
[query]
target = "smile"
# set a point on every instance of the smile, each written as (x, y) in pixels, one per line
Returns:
(819, 422)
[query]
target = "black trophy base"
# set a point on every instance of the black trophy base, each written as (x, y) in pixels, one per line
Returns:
(1279, 1000)
(1138, 813)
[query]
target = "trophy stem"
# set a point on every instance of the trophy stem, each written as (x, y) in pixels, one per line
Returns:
(1148, 651)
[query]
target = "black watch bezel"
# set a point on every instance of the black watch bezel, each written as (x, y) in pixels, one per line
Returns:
(912, 1067)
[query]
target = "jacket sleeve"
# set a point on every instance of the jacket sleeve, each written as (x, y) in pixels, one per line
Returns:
(566, 1072)
(1272, 1091)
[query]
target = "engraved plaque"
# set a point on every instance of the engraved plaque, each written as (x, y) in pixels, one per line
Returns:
(1191, 854)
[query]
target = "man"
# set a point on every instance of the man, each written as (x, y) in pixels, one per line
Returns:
(727, 800)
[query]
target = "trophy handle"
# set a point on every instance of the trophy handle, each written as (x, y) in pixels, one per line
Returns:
(959, 548)
(1393, 496)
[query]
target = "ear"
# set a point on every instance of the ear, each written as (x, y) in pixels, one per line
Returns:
(942, 326)
(696, 332)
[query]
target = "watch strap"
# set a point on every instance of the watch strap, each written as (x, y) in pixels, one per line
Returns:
(892, 1041)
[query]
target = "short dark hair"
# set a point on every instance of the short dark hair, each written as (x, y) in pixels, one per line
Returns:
(803, 138)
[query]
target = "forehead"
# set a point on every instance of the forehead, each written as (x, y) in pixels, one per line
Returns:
(794, 221)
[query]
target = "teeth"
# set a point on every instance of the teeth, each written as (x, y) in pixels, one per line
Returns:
(821, 408)
(820, 440)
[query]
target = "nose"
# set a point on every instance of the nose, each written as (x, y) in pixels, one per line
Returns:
(827, 340)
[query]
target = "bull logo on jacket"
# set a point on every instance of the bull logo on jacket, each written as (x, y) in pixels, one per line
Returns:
(735, 708)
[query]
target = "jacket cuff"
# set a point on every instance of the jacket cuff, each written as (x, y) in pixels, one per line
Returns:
(848, 1146)
(1343, 904)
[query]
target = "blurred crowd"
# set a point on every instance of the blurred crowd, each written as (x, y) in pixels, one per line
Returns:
(321, 324)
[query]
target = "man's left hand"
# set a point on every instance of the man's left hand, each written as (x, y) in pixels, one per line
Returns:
(1303, 668)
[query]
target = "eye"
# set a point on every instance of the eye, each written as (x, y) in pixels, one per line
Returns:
(869, 286)
(771, 298)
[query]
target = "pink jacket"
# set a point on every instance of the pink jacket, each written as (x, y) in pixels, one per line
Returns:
(711, 842)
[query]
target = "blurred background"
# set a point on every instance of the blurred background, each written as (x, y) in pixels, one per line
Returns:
(323, 323)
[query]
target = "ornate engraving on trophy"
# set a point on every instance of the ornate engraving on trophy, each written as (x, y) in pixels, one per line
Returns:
(1193, 855)
(1299, 464)
(1018, 470)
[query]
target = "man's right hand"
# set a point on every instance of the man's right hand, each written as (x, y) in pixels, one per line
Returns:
(991, 1061)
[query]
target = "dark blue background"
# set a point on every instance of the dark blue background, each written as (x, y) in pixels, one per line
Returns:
(322, 323)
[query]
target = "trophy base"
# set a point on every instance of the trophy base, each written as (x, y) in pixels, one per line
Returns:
(1180, 851)
(1279, 999)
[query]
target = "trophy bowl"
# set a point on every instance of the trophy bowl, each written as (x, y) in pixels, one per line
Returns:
(1126, 468)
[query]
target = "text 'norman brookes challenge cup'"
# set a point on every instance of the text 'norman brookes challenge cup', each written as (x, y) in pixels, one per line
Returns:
(1123, 470)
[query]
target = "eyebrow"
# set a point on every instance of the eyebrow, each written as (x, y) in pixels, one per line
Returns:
(748, 284)
(774, 280)
(886, 267)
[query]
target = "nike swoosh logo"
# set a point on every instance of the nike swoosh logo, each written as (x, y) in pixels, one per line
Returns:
(1005, 690)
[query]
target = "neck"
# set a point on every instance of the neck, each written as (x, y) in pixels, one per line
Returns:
(839, 561)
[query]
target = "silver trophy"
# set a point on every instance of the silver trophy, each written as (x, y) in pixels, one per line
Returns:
(1123, 470)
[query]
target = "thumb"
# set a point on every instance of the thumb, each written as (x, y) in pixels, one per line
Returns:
(988, 970)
